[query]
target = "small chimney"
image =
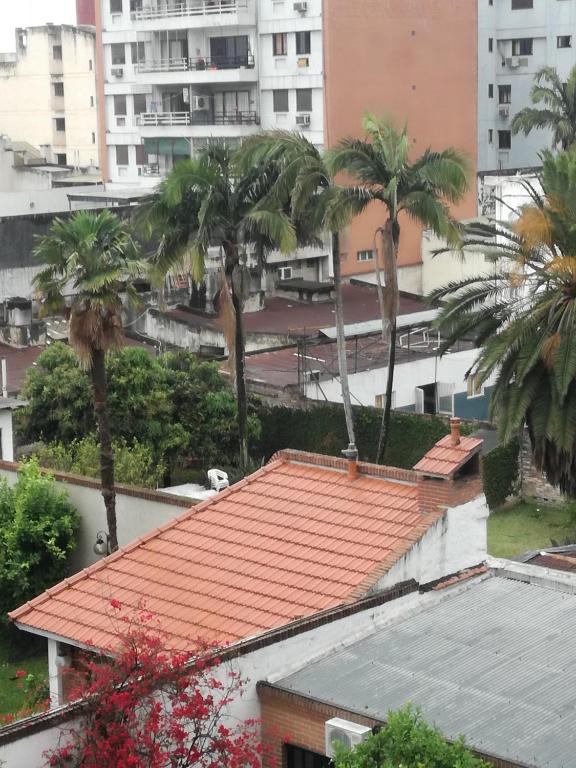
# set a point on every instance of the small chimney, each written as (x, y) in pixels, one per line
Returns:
(351, 453)
(455, 431)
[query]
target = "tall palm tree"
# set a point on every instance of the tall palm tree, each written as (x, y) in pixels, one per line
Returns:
(206, 202)
(316, 205)
(421, 189)
(558, 113)
(522, 316)
(92, 258)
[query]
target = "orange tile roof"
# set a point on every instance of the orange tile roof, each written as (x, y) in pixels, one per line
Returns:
(444, 459)
(292, 539)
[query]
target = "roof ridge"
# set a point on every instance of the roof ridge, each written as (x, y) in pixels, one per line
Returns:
(326, 461)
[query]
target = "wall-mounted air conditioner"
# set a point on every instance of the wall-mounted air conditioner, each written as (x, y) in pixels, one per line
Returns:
(285, 273)
(200, 103)
(513, 62)
(345, 732)
(303, 119)
(301, 6)
(504, 111)
(117, 72)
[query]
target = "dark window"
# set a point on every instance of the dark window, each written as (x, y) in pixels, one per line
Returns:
(490, 136)
(115, 6)
(490, 44)
(280, 43)
(141, 155)
(91, 101)
(61, 158)
(119, 105)
(90, 64)
(491, 91)
(490, 2)
(564, 41)
(504, 139)
(302, 43)
(60, 123)
(522, 46)
(139, 103)
(121, 154)
(93, 138)
(118, 53)
(304, 99)
(518, 5)
(135, 5)
(57, 52)
(58, 89)
(229, 52)
(296, 757)
(504, 94)
(136, 52)
(280, 99)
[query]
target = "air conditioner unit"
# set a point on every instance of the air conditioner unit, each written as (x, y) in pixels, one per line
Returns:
(513, 61)
(285, 273)
(345, 732)
(523, 61)
(504, 111)
(117, 72)
(304, 61)
(200, 103)
(301, 7)
(303, 119)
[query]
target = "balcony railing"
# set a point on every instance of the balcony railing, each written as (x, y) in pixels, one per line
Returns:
(199, 64)
(191, 8)
(197, 118)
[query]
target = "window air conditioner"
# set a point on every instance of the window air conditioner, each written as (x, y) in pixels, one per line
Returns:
(338, 731)
(303, 119)
(303, 61)
(285, 273)
(513, 61)
(504, 111)
(200, 103)
(301, 7)
(117, 72)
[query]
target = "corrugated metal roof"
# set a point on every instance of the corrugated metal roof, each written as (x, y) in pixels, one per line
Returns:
(495, 663)
(375, 326)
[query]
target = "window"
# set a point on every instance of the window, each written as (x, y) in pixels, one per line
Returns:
(230, 52)
(93, 138)
(135, 5)
(57, 52)
(490, 136)
(564, 41)
(296, 757)
(61, 158)
(60, 123)
(115, 6)
(90, 65)
(141, 155)
(119, 105)
(91, 101)
(504, 94)
(280, 100)
(58, 89)
(490, 44)
(302, 43)
(139, 103)
(118, 54)
(518, 5)
(136, 52)
(522, 46)
(490, 2)
(504, 139)
(121, 154)
(280, 43)
(491, 91)
(474, 387)
(304, 99)
(365, 255)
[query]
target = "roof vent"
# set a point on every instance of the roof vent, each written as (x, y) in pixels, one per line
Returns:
(455, 431)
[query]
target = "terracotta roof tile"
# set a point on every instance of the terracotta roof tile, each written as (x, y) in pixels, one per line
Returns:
(292, 539)
(444, 459)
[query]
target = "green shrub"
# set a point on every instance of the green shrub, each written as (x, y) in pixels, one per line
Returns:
(38, 528)
(501, 473)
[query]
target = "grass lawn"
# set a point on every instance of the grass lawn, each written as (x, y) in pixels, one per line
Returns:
(529, 525)
(11, 696)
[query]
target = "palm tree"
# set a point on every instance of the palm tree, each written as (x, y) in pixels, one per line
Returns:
(420, 188)
(206, 202)
(90, 256)
(522, 316)
(316, 206)
(559, 107)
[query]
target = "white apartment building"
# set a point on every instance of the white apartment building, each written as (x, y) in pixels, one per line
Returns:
(516, 38)
(48, 93)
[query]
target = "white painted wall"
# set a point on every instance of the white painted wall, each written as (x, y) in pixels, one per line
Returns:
(7, 438)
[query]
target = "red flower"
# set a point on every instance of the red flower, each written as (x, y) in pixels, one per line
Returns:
(115, 604)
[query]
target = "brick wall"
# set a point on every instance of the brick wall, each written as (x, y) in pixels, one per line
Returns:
(435, 492)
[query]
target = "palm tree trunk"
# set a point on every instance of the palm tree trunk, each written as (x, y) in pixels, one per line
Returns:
(389, 244)
(340, 338)
(100, 389)
(240, 379)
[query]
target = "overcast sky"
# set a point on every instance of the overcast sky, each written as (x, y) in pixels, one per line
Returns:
(28, 13)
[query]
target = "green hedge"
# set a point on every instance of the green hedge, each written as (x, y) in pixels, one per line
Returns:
(501, 473)
(322, 429)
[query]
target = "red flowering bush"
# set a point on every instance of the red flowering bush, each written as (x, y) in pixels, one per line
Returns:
(36, 696)
(149, 707)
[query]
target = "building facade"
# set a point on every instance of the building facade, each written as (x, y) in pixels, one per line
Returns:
(516, 38)
(48, 93)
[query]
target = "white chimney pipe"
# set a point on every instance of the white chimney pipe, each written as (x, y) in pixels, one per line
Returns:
(4, 378)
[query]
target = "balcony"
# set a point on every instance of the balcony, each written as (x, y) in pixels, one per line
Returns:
(221, 69)
(194, 13)
(197, 124)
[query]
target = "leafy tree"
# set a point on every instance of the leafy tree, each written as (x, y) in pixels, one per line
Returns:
(134, 464)
(522, 315)
(316, 205)
(207, 202)
(407, 741)
(38, 528)
(558, 112)
(420, 189)
(147, 706)
(90, 255)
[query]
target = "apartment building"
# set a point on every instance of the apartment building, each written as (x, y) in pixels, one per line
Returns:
(48, 93)
(516, 38)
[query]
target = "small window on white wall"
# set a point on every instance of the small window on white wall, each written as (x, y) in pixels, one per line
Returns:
(280, 100)
(122, 154)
